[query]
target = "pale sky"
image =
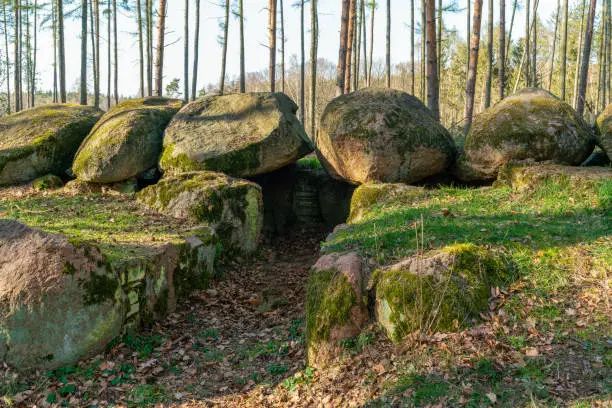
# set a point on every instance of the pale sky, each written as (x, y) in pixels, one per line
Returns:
(256, 37)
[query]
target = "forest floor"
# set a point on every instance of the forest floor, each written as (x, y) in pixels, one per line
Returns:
(546, 340)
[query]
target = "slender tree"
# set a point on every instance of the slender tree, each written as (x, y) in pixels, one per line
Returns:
(140, 49)
(534, 48)
(474, 48)
(149, 29)
(159, 63)
(423, 50)
(282, 27)
(6, 60)
(340, 69)
(83, 52)
(115, 52)
(469, 37)
(440, 24)
(527, 42)
(412, 47)
(54, 28)
(554, 46)
(35, 53)
(108, 55)
(350, 35)
(62, 52)
(302, 66)
(96, 47)
(502, 48)
(487, 101)
(388, 53)
(586, 55)
(224, 52)
(272, 35)
(357, 52)
(365, 44)
(432, 61)
(196, 52)
(580, 40)
(186, 54)
(242, 63)
(564, 30)
(372, 8)
(314, 36)
(509, 39)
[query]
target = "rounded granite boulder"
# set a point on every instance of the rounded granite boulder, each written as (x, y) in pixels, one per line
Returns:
(126, 141)
(241, 135)
(529, 125)
(382, 135)
(604, 137)
(42, 140)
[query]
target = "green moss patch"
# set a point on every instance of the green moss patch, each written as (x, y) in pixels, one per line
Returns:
(48, 182)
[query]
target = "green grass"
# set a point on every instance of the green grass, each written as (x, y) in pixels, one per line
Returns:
(117, 224)
(146, 395)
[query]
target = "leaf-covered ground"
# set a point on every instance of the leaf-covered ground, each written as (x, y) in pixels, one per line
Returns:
(545, 341)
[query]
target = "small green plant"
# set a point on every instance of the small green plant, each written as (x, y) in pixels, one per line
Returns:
(276, 369)
(304, 377)
(311, 162)
(145, 395)
(143, 344)
(214, 355)
(209, 334)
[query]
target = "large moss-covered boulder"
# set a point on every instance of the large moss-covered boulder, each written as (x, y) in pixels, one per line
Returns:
(524, 176)
(240, 134)
(440, 291)
(42, 140)
(58, 301)
(336, 305)
(382, 135)
(126, 141)
(367, 196)
(232, 207)
(604, 136)
(531, 124)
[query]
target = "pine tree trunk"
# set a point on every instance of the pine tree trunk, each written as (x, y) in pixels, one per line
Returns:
(365, 44)
(8, 65)
(580, 40)
(149, 28)
(564, 30)
(186, 54)
(509, 39)
(554, 46)
(196, 51)
(62, 51)
(140, 49)
(35, 51)
(282, 27)
(302, 66)
(28, 61)
(313, 66)
(108, 56)
(349, 47)
(83, 52)
(373, 6)
(357, 71)
(474, 47)
(502, 48)
(423, 51)
(469, 38)
(95, 60)
(242, 62)
(440, 27)
(432, 61)
(586, 54)
(54, 28)
(343, 48)
(534, 48)
(487, 102)
(224, 52)
(388, 53)
(115, 48)
(412, 47)
(17, 58)
(527, 43)
(159, 63)
(272, 39)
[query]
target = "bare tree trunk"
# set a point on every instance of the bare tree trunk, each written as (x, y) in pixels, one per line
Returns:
(115, 47)
(373, 6)
(302, 66)
(469, 37)
(314, 35)
(423, 50)
(159, 63)
(564, 50)
(62, 52)
(242, 62)
(509, 40)
(186, 54)
(272, 35)
(95, 48)
(474, 47)
(196, 52)
(433, 90)
(586, 54)
(365, 44)
(554, 46)
(83, 52)
(534, 59)
(440, 27)
(149, 28)
(140, 50)
(388, 54)
(580, 40)
(349, 46)
(487, 101)
(35, 52)
(54, 24)
(8, 65)
(224, 52)
(28, 61)
(412, 47)
(282, 16)
(527, 43)
(502, 48)
(342, 49)
(108, 41)
(17, 72)
(357, 70)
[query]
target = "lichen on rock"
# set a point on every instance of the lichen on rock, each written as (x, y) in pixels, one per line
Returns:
(439, 291)
(238, 134)
(531, 124)
(126, 141)
(232, 207)
(382, 135)
(42, 140)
